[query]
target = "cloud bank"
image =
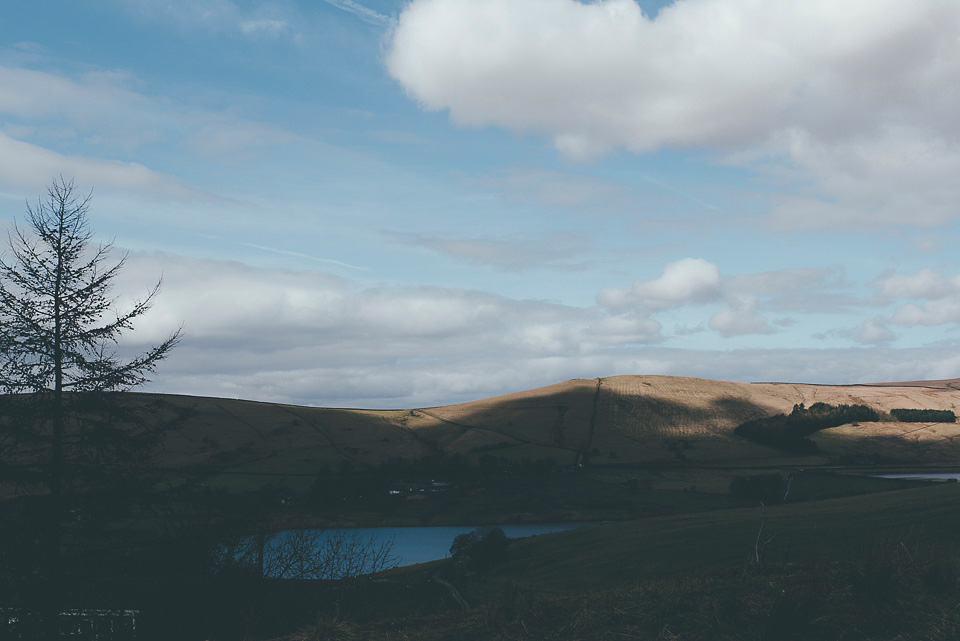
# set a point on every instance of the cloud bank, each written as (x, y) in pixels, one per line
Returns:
(312, 338)
(308, 337)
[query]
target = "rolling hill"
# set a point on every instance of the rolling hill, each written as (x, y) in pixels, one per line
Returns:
(650, 420)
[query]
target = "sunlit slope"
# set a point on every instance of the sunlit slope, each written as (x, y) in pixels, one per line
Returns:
(669, 420)
(665, 419)
(615, 420)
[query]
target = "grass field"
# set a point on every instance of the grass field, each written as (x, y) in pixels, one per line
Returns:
(623, 420)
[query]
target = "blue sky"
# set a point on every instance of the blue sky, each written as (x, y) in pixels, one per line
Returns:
(397, 204)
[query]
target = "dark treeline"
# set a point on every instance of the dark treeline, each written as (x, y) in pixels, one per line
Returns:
(924, 416)
(790, 431)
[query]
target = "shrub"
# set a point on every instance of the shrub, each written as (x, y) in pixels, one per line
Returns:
(480, 549)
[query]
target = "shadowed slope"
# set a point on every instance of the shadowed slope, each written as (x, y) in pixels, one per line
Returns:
(623, 419)
(823, 530)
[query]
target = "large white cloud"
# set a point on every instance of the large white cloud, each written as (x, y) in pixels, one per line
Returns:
(852, 103)
(602, 74)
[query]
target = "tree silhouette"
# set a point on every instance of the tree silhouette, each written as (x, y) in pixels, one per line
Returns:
(65, 430)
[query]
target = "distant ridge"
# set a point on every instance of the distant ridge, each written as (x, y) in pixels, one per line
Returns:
(946, 383)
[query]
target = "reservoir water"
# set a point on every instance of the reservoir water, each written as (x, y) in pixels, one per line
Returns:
(419, 544)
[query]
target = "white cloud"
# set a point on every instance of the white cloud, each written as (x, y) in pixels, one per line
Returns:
(105, 110)
(690, 280)
(598, 75)
(874, 330)
(938, 296)
(934, 312)
(745, 299)
(94, 108)
(36, 94)
(28, 167)
(739, 317)
(324, 331)
(851, 103)
(926, 283)
(898, 175)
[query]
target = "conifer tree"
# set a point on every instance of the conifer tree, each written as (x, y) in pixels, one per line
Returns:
(65, 429)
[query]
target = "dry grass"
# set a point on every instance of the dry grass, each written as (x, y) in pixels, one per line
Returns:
(624, 419)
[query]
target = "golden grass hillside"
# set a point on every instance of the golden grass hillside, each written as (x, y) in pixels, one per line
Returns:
(616, 420)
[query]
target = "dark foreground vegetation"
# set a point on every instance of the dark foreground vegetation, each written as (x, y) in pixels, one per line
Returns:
(891, 592)
(162, 554)
(883, 566)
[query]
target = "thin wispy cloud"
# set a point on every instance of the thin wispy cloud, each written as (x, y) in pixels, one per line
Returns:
(364, 13)
(271, 27)
(678, 192)
(316, 259)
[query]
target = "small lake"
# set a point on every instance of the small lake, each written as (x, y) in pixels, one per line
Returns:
(419, 544)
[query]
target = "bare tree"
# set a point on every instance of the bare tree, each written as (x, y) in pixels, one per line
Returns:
(341, 557)
(64, 428)
(335, 555)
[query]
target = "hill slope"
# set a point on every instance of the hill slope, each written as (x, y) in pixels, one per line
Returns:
(622, 419)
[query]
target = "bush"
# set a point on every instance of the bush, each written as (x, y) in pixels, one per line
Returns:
(480, 549)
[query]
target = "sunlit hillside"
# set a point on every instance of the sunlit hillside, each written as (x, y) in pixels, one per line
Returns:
(609, 421)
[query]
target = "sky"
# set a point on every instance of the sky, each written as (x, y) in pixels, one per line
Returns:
(391, 204)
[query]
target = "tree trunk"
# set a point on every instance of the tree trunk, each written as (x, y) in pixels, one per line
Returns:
(56, 474)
